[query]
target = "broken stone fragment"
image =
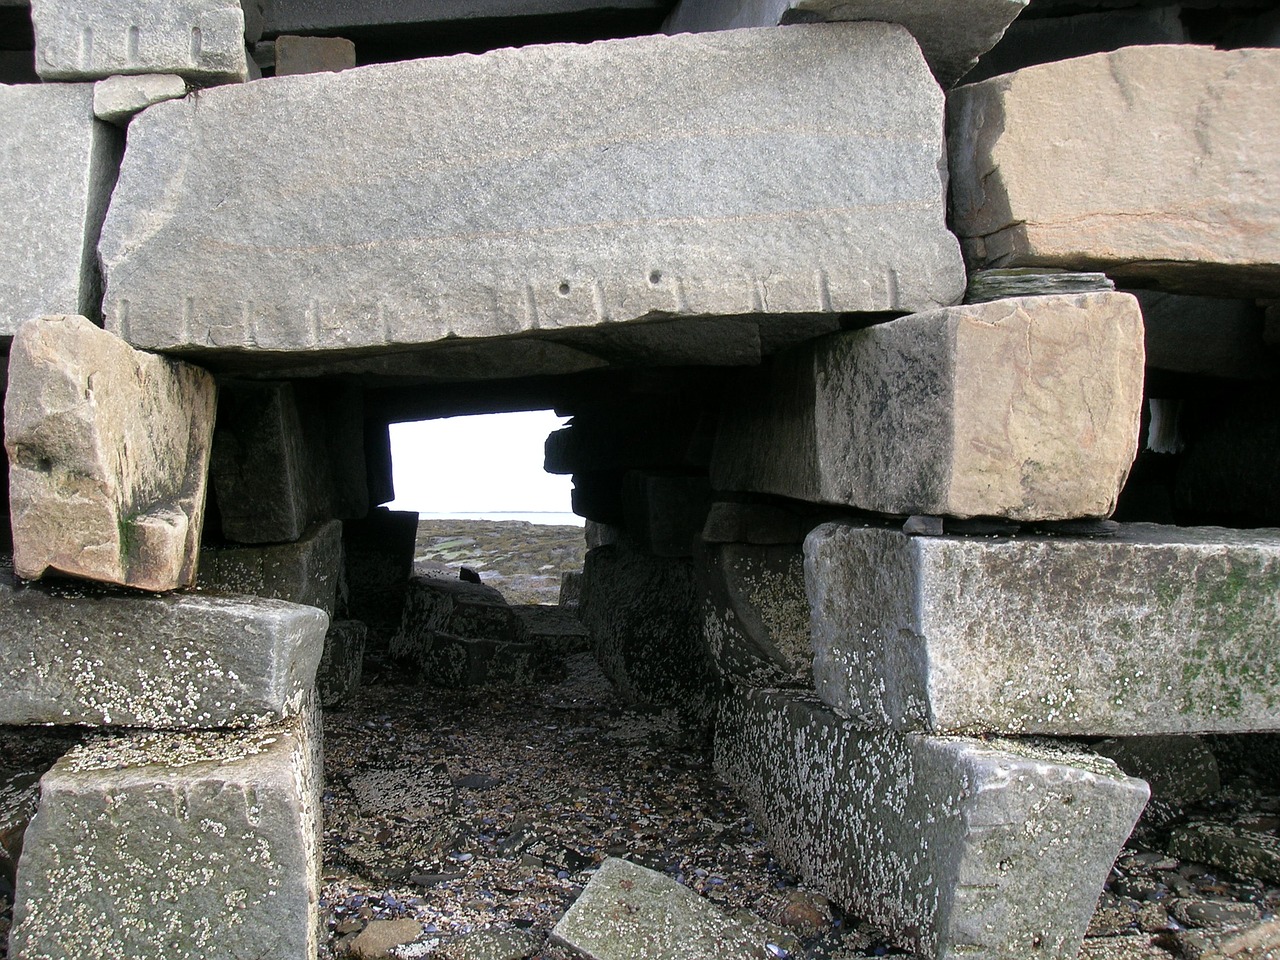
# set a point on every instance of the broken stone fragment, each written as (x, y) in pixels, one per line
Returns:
(662, 210)
(92, 39)
(117, 99)
(952, 35)
(629, 912)
(1154, 630)
(952, 847)
(180, 661)
(1163, 175)
(1026, 409)
(296, 55)
(60, 164)
(161, 846)
(306, 571)
(108, 454)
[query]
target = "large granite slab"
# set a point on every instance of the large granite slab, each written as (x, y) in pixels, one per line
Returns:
(71, 654)
(1154, 630)
(108, 457)
(59, 164)
(307, 571)
(94, 39)
(198, 846)
(1025, 408)
(953, 35)
(223, 236)
(1164, 174)
(955, 848)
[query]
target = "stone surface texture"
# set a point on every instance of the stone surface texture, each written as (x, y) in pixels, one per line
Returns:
(97, 656)
(379, 557)
(647, 205)
(629, 912)
(954, 847)
(342, 663)
(435, 606)
(756, 613)
(1026, 408)
(644, 614)
(117, 99)
(285, 456)
(108, 457)
(1211, 336)
(1162, 174)
(59, 165)
(1155, 630)
(307, 571)
(952, 35)
(94, 39)
(176, 847)
(296, 55)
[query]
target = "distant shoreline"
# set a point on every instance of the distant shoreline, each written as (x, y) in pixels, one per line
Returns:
(548, 518)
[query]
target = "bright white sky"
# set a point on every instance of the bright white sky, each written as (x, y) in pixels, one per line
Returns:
(477, 465)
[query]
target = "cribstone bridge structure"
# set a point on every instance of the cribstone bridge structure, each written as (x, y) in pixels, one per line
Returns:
(923, 413)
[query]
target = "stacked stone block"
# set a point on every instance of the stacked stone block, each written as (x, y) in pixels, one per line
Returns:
(513, 225)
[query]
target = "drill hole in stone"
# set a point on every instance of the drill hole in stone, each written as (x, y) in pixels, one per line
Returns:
(564, 288)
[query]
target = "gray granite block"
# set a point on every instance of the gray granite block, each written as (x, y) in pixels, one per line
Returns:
(1026, 409)
(96, 656)
(439, 606)
(342, 664)
(199, 846)
(379, 557)
(756, 613)
(644, 614)
(1153, 630)
(647, 205)
(93, 39)
(953, 35)
(306, 571)
(1162, 176)
(955, 848)
(59, 165)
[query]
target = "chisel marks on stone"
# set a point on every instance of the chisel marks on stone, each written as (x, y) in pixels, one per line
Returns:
(823, 285)
(530, 308)
(597, 297)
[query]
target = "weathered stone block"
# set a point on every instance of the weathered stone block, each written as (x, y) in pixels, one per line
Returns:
(756, 613)
(954, 847)
(439, 605)
(952, 35)
(117, 99)
(59, 165)
(1154, 630)
(1179, 770)
(1161, 175)
(108, 454)
(555, 631)
(646, 206)
(96, 656)
(1026, 409)
(1246, 853)
(296, 55)
(644, 615)
(306, 571)
(176, 847)
(342, 664)
(628, 912)
(285, 456)
(379, 555)
(92, 39)
(455, 661)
